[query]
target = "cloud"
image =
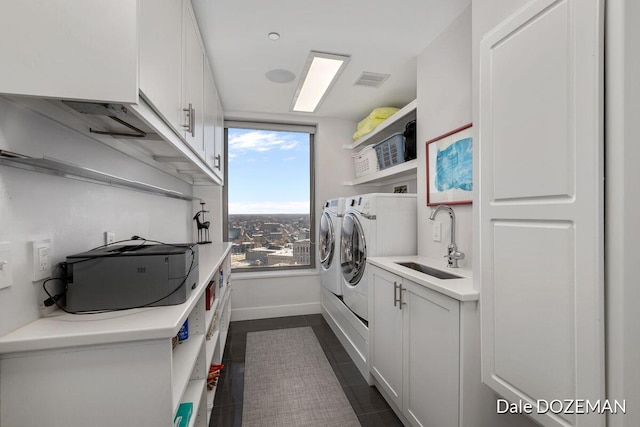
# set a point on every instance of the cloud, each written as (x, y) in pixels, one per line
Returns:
(286, 159)
(260, 141)
(289, 146)
(269, 207)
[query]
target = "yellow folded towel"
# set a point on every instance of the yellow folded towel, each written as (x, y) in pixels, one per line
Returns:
(369, 123)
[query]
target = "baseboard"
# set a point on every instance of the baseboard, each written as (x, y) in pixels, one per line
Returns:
(275, 311)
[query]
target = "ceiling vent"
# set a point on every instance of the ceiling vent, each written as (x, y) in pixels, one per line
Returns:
(371, 79)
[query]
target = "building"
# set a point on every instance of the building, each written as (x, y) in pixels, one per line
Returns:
(301, 252)
(259, 256)
(281, 257)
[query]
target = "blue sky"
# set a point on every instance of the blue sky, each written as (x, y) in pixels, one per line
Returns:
(268, 172)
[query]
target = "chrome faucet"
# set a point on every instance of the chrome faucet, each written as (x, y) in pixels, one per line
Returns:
(453, 255)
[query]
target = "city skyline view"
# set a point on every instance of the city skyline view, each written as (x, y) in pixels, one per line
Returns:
(270, 240)
(268, 172)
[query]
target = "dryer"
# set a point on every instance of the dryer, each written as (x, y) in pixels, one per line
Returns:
(329, 241)
(376, 224)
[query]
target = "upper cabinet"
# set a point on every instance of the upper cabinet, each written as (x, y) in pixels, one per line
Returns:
(72, 50)
(146, 57)
(161, 57)
(213, 126)
(193, 81)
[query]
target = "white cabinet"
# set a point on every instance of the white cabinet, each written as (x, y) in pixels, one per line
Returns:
(213, 126)
(161, 58)
(119, 364)
(541, 207)
(219, 163)
(386, 333)
(72, 50)
(415, 349)
(173, 69)
(193, 81)
(145, 56)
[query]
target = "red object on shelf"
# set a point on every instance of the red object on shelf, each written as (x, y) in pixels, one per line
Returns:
(211, 294)
(214, 374)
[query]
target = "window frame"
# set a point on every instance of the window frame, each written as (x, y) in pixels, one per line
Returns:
(279, 127)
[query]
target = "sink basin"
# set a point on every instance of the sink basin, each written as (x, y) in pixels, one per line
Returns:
(428, 270)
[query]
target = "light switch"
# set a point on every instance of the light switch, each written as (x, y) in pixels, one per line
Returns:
(6, 267)
(437, 231)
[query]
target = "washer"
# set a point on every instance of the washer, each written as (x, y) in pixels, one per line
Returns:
(376, 224)
(329, 238)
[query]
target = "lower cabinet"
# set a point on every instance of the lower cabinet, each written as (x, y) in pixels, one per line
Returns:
(415, 349)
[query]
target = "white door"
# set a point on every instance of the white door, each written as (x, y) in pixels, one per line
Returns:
(431, 357)
(218, 167)
(541, 206)
(209, 119)
(160, 53)
(193, 93)
(386, 331)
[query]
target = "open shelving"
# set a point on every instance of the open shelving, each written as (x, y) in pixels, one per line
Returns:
(394, 124)
(130, 355)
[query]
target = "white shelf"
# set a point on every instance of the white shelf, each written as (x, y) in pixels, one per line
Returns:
(211, 394)
(184, 358)
(395, 123)
(68, 170)
(386, 176)
(193, 394)
(211, 345)
(209, 313)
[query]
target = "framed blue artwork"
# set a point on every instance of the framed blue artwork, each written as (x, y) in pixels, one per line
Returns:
(450, 167)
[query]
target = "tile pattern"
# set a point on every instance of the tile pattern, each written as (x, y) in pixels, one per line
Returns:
(367, 403)
(289, 382)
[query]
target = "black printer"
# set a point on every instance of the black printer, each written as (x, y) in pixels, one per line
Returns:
(135, 275)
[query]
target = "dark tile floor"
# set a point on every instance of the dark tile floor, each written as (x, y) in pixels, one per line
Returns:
(370, 407)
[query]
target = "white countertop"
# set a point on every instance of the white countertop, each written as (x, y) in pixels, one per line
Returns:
(59, 329)
(460, 289)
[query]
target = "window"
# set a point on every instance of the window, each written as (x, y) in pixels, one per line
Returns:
(269, 196)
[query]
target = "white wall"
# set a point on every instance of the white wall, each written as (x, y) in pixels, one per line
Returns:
(622, 228)
(73, 214)
(444, 104)
(275, 294)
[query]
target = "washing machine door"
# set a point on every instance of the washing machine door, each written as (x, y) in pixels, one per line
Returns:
(327, 240)
(353, 249)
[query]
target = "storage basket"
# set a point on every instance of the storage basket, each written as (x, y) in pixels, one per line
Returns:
(390, 152)
(365, 161)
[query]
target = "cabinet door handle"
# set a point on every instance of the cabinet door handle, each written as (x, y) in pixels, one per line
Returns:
(395, 294)
(191, 116)
(216, 163)
(400, 299)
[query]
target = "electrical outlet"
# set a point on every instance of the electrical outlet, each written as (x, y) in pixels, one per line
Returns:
(6, 268)
(41, 262)
(437, 231)
(109, 237)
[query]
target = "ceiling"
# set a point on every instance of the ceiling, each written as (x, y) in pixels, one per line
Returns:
(379, 36)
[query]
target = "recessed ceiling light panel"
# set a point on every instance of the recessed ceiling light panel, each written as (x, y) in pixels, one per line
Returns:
(274, 36)
(320, 73)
